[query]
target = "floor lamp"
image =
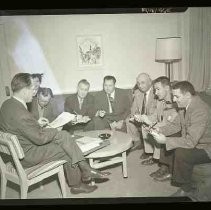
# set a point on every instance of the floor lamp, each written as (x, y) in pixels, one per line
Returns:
(168, 50)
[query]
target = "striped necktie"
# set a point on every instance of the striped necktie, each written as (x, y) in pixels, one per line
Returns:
(143, 110)
(111, 99)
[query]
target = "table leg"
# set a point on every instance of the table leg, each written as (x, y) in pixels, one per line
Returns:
(124, 164)
(91, 163)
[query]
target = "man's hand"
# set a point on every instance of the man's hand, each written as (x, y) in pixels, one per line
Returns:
(81, 119)
(86, 119)
(119, 124)
(100, 113)
(145, 118)
(113, 125)
(43, 121)
(159, 137)
(78, 119)
(137, 117)
(142, 118)
(59, 128)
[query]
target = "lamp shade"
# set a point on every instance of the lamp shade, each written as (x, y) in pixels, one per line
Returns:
(168, 49)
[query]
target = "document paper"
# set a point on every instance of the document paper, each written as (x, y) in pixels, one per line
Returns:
(62, 119)
(87, 143)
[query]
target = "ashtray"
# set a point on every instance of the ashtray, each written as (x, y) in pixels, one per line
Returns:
(105, 136)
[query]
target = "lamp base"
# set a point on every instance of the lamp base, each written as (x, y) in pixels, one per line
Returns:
(169, 70)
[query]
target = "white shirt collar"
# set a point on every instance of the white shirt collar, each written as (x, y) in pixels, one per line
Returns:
(147, 93)
(80, 99)
(187, 106)
(112, 94)
(20, 100)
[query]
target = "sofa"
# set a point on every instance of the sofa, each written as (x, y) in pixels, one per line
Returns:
(202, 172)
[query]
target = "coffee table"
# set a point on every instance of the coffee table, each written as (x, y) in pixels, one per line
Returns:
(114, 153)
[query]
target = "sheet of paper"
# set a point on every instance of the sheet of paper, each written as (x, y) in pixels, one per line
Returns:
(62, 119)
(86, 143)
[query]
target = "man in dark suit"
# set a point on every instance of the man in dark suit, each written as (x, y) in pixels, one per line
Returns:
(43, 144)
(194, 146)
(112, 106)
(42, 106)
(81, 104)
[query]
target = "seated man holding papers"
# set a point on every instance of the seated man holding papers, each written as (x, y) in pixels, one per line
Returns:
(44, 144)
(82, 105)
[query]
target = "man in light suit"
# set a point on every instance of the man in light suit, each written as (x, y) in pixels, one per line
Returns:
(165, 112)
(112, 106)
(81, 104)
(42, 107)
(194, 146)
(43, 144)
(144, 102)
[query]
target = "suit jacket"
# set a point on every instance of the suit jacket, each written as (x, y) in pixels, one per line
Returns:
(138, 101)
(87, 108)
(49, 111)
(121, 105)
(17, 120)
(195, 127)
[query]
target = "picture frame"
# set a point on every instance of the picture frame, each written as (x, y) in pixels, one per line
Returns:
(90, 52)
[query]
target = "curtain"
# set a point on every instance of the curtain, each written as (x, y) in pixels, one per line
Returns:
(199, 69)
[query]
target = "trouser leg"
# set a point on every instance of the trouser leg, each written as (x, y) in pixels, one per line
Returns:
(156, 152)
(72, 172)
(184, 161)
(69, 146)
(132, 130)
(52, 152)
(148, 142)
(166, 157)
(100, 123)
(89, 126)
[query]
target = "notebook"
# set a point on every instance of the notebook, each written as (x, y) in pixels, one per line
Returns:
(90, 144)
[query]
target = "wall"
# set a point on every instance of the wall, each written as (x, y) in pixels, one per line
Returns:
(48, 44)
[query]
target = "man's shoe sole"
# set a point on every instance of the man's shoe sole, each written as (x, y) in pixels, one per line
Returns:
(162, 180)
(83, 191)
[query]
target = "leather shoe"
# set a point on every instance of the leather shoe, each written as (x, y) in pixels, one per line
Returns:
(156, 173)
(160, 172)
(192, 194)
(145, 156)
(178, 193)
(163, 178)
(95, 174)
(83, 188)
(149, 162)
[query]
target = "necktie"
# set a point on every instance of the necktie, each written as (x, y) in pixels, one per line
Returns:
(143, 110)
(80, 102)
(184, 112)
(111, 99)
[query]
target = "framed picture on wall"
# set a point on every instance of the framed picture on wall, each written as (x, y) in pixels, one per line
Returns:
(89, 50)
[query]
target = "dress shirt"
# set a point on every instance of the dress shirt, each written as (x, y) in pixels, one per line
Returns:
(80, 101)
(111, 95)
(147, 96)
